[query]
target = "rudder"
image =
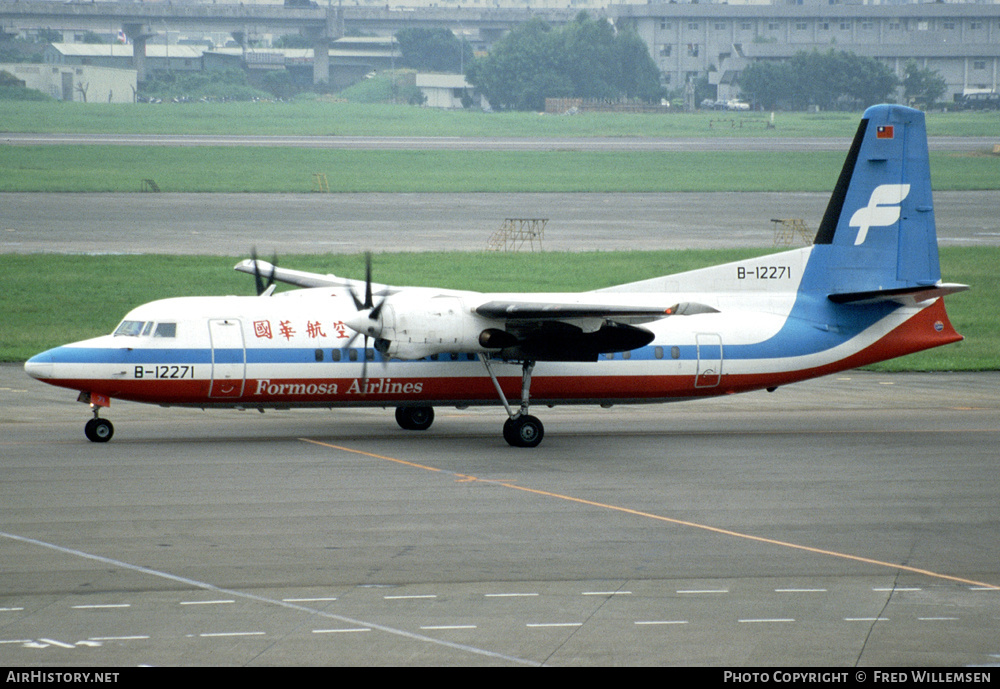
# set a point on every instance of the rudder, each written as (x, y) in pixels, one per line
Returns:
(878, 232)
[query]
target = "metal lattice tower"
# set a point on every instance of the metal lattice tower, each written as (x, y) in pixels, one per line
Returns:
(514, 233)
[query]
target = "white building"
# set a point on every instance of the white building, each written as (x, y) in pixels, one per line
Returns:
(77, 83)
(444, 90)
(961, 41)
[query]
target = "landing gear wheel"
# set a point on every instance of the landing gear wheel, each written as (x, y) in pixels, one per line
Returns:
(99, 430)
(415, 418)
(523, 431)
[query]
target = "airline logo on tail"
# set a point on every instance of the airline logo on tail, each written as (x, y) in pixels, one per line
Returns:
(882, 209)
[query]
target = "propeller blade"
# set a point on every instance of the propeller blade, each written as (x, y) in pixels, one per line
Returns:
(257, 278)
(364, 368)
(274, 269)
(365, 324)
(357, 302)
(377, 309)
(368, 280)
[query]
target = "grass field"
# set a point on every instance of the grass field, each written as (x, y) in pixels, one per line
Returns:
(290, 170)
(327, 118)
(49, 300)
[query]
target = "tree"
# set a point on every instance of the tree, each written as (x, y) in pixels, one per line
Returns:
(588, 58)
(584, 59)
(293, 40)
(433, 50)
(767, 83)
(866, 80)
(639, 77)
(831, 80)
(922, 86)
(521, 70)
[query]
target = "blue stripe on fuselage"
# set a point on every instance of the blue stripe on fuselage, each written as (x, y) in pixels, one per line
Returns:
(125, 355)
(814, 325)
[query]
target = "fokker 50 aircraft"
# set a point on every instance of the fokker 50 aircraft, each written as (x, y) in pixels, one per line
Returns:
(869, 289)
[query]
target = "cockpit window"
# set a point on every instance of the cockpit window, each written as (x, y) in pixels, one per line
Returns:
(166, 330)
(130, 329)
(148, 329)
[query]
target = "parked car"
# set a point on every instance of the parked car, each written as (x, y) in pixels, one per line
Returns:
(979, 101)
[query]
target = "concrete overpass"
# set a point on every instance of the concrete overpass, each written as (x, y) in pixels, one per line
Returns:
(142, 20)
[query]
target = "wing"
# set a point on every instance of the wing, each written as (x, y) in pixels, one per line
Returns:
(543, 311)
(302, 278)
(567, 331)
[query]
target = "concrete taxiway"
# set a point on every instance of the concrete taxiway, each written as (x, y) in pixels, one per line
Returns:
(853, 520)
(231, 224)
(848, 521)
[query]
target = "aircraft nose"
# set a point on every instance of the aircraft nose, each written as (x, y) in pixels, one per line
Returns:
(39, 366)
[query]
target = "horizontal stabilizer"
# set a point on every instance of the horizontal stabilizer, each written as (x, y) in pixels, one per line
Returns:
(903, 295)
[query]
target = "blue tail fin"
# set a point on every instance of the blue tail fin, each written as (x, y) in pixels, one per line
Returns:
(878, 232)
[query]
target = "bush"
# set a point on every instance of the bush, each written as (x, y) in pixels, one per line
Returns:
(21, 93)
(226, 85)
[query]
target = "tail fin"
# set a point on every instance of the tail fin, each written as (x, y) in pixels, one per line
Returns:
(878, 232)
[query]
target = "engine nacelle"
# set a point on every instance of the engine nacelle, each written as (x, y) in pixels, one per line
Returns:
(413, 328)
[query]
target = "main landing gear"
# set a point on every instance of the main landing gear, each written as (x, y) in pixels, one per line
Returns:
(521, 428)
(414, 418)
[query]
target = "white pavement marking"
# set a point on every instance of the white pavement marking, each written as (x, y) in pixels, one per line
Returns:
(103, 606)
(657, 622)
(341, 631)
(269, 601)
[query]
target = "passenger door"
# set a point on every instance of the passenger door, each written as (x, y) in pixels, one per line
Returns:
(228, 358)
(709, 347)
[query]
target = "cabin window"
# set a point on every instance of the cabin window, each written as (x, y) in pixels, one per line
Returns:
(318, 354)
(130, 328)
(352, 354)
(675, 352)
(165, 330)
(334, 355)
(626, 355)
(658, 352)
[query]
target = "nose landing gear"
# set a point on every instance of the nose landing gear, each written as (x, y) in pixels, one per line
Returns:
(97, 430)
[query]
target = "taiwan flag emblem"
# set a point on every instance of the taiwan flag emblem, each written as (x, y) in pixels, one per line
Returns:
(884, 132)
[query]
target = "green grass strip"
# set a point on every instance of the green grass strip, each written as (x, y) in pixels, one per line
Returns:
(327, 117)
(291, 170)
(47, 300)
